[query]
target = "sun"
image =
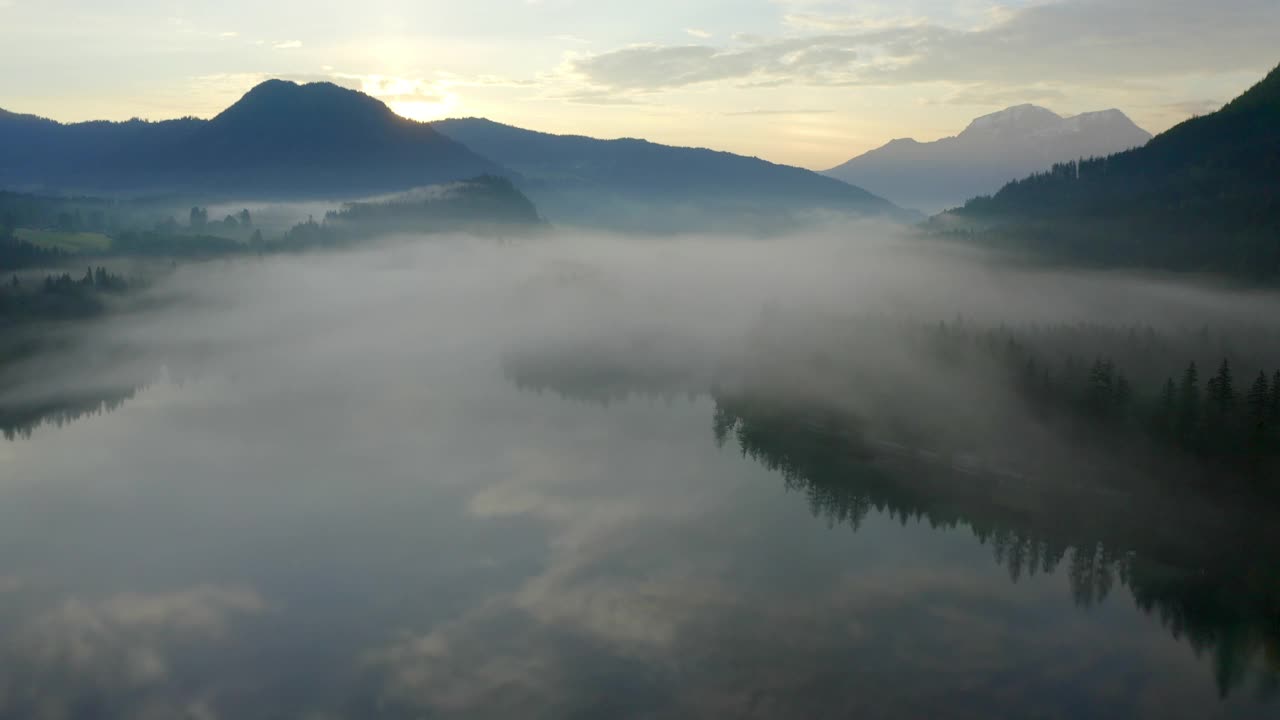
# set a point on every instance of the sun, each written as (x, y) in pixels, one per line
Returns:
(423, 110)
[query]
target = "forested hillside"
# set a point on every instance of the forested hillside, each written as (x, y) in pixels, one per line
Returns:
(1203, 196)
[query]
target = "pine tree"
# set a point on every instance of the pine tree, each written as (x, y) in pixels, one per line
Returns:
(1189, 406)
(1273, 412)
(1220, 415)
(1101, 390)
(1222, 392)
(1167, 416)
(1123, 393)
(1259, 408)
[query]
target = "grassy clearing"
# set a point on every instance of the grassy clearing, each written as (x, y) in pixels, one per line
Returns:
(70, 242)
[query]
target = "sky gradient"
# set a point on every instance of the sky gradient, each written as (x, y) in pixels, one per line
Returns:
(806, 82)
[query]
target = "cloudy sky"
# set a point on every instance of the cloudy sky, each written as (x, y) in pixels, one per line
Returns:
(808, 82)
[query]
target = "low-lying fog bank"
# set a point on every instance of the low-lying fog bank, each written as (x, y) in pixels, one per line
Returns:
(931, 344)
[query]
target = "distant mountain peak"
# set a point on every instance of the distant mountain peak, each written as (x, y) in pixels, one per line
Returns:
(1099, 121)
(322, 89)
(281, 138)
(1019, 119)
(281, 101)
(1111, 113)
(272, 85)
(1203, 196)
(282, 88)
(993, 149)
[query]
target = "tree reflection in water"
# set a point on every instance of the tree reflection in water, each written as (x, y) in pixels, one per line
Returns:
(1209, 571)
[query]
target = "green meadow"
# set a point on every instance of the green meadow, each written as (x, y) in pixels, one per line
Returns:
(71, 242)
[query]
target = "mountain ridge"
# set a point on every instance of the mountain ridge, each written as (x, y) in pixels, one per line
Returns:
(616, 182)
(989, 152)
(1203, 195)
(279, 139)
(287, 140)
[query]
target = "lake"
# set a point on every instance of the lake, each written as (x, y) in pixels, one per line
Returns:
(390, 520)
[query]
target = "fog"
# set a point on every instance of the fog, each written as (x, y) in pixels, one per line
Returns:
(476, 478)
(679, 315)
(418, 293)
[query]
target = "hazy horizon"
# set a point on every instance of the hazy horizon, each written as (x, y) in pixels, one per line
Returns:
(802, 82)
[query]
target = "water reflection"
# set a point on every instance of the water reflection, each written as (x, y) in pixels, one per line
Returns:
(37, 360)
(1211, 577)
(1210, 572)
(19, 420)
(293, 545)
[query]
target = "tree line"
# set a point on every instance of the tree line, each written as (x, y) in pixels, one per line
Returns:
(486, 204)
(58, 297)
(1203, 196)
(1213, 417)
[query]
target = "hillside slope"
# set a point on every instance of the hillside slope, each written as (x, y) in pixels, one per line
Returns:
(1205, 196)
(280, 139)
(636, 184)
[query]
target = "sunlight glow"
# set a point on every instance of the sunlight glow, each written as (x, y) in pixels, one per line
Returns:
(424, 111)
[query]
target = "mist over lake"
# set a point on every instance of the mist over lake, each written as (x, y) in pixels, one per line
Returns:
(614, 361)
(578, 475)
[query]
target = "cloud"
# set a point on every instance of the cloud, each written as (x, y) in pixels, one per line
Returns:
(1002, 96)
(695, 32)
(597, 97)
(227, 84)
(397, 89)
(1089, 40)
(1079, 41)
(654, 67)
(1195, 107)
(761, 111)
(117, 649)
(229, 34)
(846, 23)
(58, 635)
(287, 45)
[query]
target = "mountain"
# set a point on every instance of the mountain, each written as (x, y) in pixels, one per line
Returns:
(638, 185)
(993, 150)
(280, 139)
(1202, 196)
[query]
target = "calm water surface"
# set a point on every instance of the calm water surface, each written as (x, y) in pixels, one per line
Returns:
(446, 544)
